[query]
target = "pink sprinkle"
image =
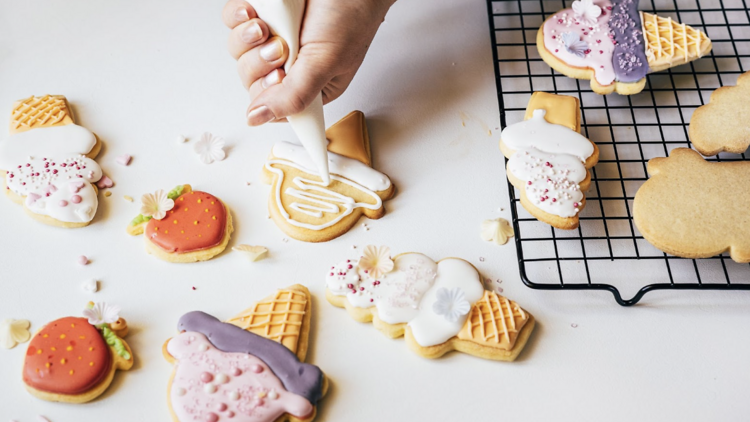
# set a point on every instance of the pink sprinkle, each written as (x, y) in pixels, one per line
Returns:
(554, 199)
(529, 182)
(331, 274)
(361, 289)
(123, 159)
(83, 260)
(63, 203)
(372, 300)
(207, 377)
(575, 204)
(75, 199)
(193, 287)
(212, 417)
(236, 372)
(221, 407)
(256, 368)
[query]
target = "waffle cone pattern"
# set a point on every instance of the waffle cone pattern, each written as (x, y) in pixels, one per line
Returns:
(35, 112)
(278, 317)
(670, 43)
(494, 321)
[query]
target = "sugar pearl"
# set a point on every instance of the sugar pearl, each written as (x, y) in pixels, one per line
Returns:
(210, 388)
(222, 378)
(256, 368)
(207, 377)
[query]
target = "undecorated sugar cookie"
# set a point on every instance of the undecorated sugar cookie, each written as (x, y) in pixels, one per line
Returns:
(47, 163)
(74, 359)
(248, 369)
(437, 306)
(303, 207)
(693, 208)
(614, 45)
(548, 159)
(183, 225)
(724, 123)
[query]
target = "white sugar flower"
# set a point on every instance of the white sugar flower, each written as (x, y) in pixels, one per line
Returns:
(451, 304)
(101, 313)
(14, 331)
(376, 261)
(497, 230)
(156, 204)
(210, 148)
(586, 11)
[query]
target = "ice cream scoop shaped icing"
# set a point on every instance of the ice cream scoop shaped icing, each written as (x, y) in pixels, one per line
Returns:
(297, 377)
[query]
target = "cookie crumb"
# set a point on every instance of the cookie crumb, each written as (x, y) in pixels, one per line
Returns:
(128, 198)
(123, 160)
(354, 246)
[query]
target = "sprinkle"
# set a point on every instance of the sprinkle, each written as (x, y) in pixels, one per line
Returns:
(574, 325)
(128, 198)
(123, 159)
(181, 139)
(193, 287)
(83, 260)
(107, 194)
(481, 259)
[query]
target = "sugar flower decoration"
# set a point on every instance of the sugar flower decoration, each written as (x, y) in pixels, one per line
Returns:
(586, 11)
(210, 148)
(156, 204)
(497, 230)
(101, 313)
(14, 331)
(451, 304)
(574, 45)
(376, 261)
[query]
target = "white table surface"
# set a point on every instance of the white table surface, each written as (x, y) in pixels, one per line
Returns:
(140, 73)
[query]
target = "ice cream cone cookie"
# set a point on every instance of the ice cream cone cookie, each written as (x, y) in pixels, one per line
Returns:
(548, 159)
(437, 306)
(615, 46)
(183, 225)
(47, 164)
(308, 210)
(248, 369)
(74, 360)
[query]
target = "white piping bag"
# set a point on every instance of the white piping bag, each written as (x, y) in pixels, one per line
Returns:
(284, 19)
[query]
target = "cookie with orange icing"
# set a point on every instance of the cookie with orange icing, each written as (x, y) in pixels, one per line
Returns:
(183, 225)
(74, 359)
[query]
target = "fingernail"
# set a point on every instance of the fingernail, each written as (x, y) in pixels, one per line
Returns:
(270, 79)
(241, 15)
(252, 33)
(260, 116)
(271, 51)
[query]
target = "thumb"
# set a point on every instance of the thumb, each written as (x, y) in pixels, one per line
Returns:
(292, 95)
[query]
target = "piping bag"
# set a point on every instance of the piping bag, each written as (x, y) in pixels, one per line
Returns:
(284, 19)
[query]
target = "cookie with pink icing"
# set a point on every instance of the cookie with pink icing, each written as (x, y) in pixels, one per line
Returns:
(224, 372)
(615, 45)
(47, 163)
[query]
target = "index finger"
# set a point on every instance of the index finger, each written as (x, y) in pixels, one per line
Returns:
(236, 12)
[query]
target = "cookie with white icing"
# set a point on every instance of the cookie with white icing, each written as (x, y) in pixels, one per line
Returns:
(437, 306)
(548, 159)
(183, 225)
(614, 45)
(73, 359)
(303, 207)
(724, 123)
(47, 164)
(694, 208)
(248, 369)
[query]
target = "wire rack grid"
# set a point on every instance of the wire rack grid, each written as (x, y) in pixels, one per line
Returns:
(607, 252)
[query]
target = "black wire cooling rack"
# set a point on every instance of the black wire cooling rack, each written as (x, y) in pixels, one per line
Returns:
(607, 252)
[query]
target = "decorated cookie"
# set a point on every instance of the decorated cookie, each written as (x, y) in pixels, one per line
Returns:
(73, 359)
(300, 203)
(614, 45)
(724, 123)
(183, 225)
(248, 369)
(47, 163)
(548, 159)
(693, 208)
(437, 306)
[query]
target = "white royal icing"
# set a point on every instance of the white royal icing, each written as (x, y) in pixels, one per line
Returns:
(408, 293)
(319, 199)
(550, 159)
(49, 170)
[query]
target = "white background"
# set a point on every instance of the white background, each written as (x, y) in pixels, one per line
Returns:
(140, 73)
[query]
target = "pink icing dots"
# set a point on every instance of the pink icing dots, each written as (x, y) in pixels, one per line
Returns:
(212, 417)
(207, 377)
(257, 369)
(76, 199)
(63, 203)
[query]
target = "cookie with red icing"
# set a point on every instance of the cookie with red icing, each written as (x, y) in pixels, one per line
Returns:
(74, 359)
(183, 225)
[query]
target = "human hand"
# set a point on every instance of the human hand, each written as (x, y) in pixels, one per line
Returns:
(334, 39)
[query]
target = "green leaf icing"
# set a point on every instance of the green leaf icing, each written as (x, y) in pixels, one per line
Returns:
(116, 342)
(176, 192)
(173, 194)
